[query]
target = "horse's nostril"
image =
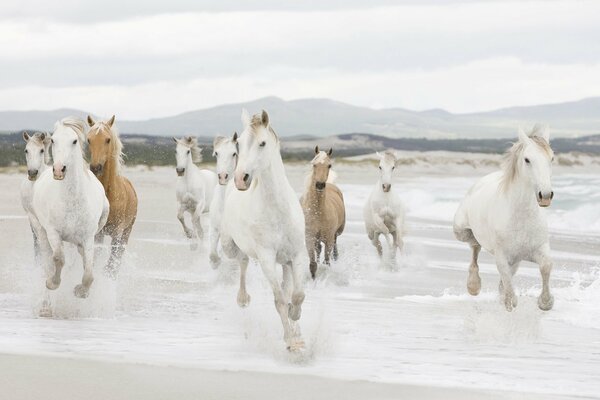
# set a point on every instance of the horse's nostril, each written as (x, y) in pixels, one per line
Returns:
(540, 195)
(226, 176)
(551, 195)
(246, 177)
(64, 168)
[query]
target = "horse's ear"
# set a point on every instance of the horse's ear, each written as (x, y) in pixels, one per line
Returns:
(42, 136)
(111, 121)
(543, 132)
(26, 136)
(217, 140)
(523, 136)
(188, 139)
(175, 139)
(378, 154)
(316, 149)
(330, 152)
(90, 120)
(246, 118)
(235, 137)
(264, 118)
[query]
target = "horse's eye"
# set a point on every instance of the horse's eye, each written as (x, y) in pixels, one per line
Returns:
(329, 166)
(41, 151)
(234, 154)
(262, 144)
(380, 167)
(52, 141)
(75, 141)
(89, 141)
(393, 168)
(216, 154)
(189, 151)
(107, 140)
(26, 151)
(527, 161)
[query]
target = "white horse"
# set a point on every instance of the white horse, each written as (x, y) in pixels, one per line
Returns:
(37, 155)
(69, 204)
(502, 214)
(384, 213)
(225, 151)
(263, 220)
(195, 186)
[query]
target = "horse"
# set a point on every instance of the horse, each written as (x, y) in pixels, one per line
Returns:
(225, 150)
(384, 213)
(324, 211)
(69, 204)
(37, 155)
(106, 163)
(263, 220)
(195, 187)
(503, 214)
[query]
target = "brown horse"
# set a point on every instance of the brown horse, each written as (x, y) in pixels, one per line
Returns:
(106, 162)
(324, 212)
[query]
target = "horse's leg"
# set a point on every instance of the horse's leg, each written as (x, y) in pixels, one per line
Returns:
(36, 245)
(243, 298)
(268, 265)
(311, 245)
(297, 297)
(474, 280)
(86, 250)
(288, 291)
(215, 260)
(318, 248)
(329, 248)
(335, 248)
(546, 300)
(117, 248)
(46, 263)
(377, 243)
(505, 270)
(196, 220)
(58, 257)
(180, 216)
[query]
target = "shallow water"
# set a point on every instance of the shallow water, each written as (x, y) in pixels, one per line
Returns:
(412, 322)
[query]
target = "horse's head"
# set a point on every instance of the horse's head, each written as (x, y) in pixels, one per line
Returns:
(67, 145)
(321, 165)
(36, 152)
(225, 151)
(387, 165)
(186, 151)
(258, 144)
(530, 159)
(104, 144)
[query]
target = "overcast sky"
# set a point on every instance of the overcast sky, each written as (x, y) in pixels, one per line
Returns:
(153, 58)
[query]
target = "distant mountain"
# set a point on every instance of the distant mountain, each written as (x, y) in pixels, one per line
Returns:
(323, 117)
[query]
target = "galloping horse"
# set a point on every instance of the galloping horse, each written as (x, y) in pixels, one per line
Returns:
(106, 162)
(69, 204)
(264, 220)
(384, 212)
(324, 212)
(37, 154)
(195, 187)
(225, 151)
(502, 213)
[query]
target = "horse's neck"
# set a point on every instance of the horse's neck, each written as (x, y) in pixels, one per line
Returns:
(520, 196)
(272, 182)
(109, 176)
(192, 172)
(75, 178)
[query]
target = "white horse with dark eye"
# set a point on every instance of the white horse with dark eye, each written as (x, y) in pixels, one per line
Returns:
(502, 213)
(69, 203)
(384, 213)
(195, 187)
(263, 220)
(37, 155)
(225, 151)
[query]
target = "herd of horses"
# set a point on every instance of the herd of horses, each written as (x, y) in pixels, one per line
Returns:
(254, 212)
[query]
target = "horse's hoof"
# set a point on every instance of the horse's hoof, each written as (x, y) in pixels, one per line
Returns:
(313, 269)
(110, 272)
(510, 302)
(545, 303)
(243, 299)
(474, 286)
(45, 311)
(296, 345)
(52, 283)
(81, 291)
(215, 261)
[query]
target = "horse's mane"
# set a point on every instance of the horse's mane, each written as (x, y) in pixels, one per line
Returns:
(390, 154)
(309, 171)
(115, 142)
(510, 162)
(192, 143)
(42, 139)
(256, 122)
(75, 124)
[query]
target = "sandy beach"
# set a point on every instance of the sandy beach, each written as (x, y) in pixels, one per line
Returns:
(169, 327)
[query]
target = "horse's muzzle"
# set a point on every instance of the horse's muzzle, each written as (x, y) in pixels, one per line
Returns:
(320, 186)
(180, 171)
(223, 178)
(96, 169)
(59, 172)
(242, 181)
(386, 187)
(545, 199)
(32, 174)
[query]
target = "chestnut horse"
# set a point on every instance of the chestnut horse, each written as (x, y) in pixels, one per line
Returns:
(324, 211)
(106, 162)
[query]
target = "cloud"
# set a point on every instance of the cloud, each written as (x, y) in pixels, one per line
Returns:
(415, 54)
